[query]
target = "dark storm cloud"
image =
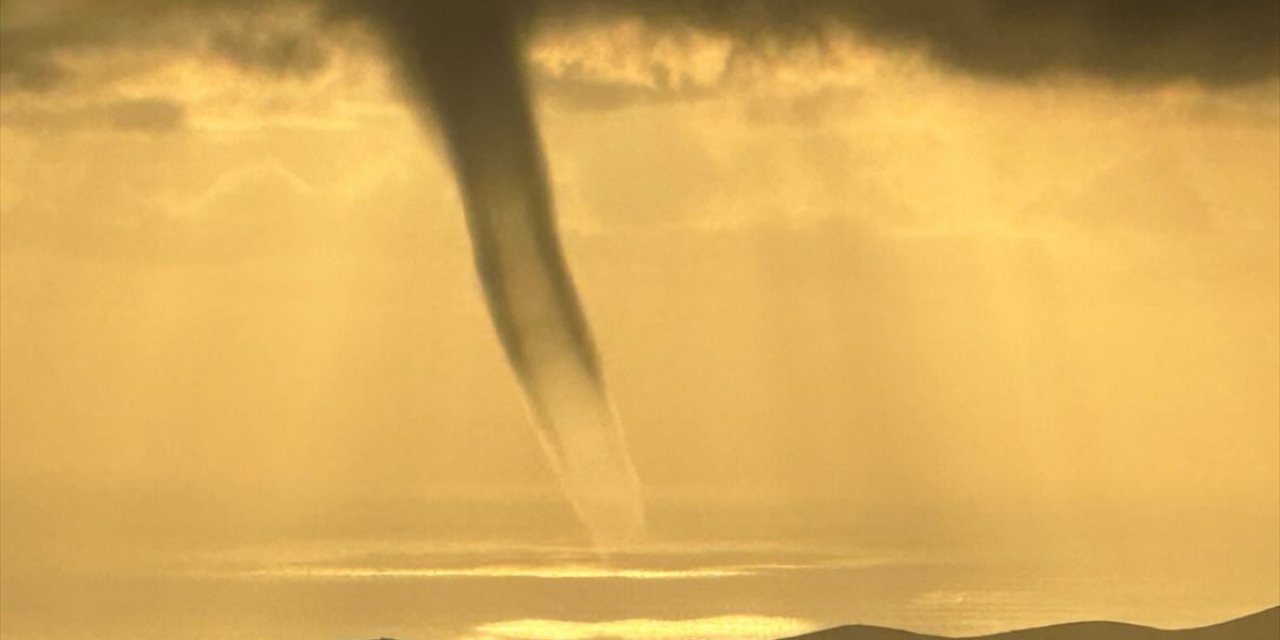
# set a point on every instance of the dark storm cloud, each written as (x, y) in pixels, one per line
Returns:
(1216, 42)
(34, 40)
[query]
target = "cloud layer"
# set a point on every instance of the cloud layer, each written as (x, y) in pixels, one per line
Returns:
(1130, 41)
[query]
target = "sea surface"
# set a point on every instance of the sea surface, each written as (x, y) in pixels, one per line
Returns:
(667, 586)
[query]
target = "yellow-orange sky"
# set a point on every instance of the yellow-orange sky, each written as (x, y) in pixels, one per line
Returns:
(844, 285)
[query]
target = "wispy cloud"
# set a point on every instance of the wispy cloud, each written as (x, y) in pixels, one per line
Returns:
(563, 572)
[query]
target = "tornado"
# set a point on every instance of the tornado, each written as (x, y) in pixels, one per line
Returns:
(464, 61)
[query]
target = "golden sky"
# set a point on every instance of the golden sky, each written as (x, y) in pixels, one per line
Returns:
(844, 285)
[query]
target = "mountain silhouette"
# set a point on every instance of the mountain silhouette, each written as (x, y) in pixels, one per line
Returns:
(1264, 625)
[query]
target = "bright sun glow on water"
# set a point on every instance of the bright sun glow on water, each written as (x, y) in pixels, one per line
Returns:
(737, 627)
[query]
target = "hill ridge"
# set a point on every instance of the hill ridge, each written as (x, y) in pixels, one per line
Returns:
(1262, 625)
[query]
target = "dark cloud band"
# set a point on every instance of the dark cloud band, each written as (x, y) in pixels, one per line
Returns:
(1215, 42)
(1222, 42)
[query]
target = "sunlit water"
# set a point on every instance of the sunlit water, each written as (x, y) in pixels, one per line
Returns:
(495, 589)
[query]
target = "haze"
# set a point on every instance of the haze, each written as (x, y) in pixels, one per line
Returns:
(851, 302)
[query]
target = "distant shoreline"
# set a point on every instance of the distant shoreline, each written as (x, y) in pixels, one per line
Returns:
(1263, 625)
